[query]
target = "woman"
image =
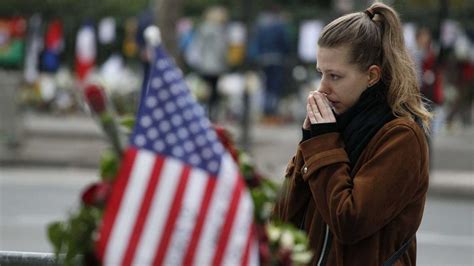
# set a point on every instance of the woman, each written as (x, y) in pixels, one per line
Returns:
(357, 184)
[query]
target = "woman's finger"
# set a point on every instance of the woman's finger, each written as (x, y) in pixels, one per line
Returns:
(310, 114)
(323, 106)
(321, 103)
(315, 110)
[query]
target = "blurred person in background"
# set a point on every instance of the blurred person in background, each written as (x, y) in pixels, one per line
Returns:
(357, 184)
(463, 81)
(208, 52)
(272, 44)
(429, 74)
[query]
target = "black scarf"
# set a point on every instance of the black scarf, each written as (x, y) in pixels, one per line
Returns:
(362, 121)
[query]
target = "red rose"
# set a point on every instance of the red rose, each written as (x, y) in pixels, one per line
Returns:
(95, 97)
(226, 140)
(254, 179)
(96, 194)
(284, 257)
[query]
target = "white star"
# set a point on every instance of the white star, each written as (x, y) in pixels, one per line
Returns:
(200, 140)
(145, 121)
(198, 110)
(152, 133)
(170, 107)
(162, 64)
(194, 127)
(206, 153)
(165, 126)
(190, 99)
(150, 102)
(178, 151)
(159, 145)
(211, 135)
(189, 146)
(176, 120)
(156, 83)
(188, 115)
(158, 114)
(183, 133)
(171, 139)
(175, 89)
(213, 166)
(169, 76)
(217, 147)
(140, 140)
(163, 95)
(181, 102)
(194, 159)
(205, 123)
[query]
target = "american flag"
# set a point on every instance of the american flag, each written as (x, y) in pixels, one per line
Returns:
(179, 198)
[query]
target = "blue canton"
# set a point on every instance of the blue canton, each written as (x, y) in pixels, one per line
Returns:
(171, 123)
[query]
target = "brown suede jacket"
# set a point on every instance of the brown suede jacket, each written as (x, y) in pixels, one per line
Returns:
(369, 215)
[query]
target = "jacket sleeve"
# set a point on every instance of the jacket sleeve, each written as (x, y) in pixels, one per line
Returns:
(294, 195)
(355, 208)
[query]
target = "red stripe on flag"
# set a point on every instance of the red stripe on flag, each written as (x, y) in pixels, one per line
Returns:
(173, 215)
(143, 213)
(248, 245)
(210, 186)
(229, 221)
(115, 201)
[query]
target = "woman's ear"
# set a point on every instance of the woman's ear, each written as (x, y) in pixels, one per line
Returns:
(375, 74)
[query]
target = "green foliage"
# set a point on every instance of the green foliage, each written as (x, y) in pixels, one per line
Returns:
(109, 165)
(74, 238)
(127, 121)
(264, 198)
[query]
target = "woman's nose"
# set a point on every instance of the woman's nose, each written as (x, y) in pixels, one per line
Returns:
(324, 87)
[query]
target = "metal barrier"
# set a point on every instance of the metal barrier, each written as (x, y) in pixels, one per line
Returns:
(14, 258)
(27, 258)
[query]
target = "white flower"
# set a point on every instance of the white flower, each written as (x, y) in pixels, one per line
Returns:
(287, 240)
(273, 232)
(302, 258)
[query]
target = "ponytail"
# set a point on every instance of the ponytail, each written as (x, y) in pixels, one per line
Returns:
(398, 69)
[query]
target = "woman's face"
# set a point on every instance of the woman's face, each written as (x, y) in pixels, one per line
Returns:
(342, 82)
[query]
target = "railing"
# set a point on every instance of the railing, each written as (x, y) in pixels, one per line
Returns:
(13, 258)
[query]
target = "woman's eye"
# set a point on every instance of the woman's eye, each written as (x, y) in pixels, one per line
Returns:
(335, 77)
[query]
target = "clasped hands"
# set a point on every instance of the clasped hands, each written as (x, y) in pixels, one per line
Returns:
(318, 110)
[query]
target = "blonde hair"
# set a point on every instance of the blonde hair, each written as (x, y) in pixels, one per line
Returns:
(375, 37)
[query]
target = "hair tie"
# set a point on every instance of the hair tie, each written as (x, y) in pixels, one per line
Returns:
(369, 13)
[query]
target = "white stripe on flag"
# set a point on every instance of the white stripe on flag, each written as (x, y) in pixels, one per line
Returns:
(227, 180)
(254, 259)
(187, 217)
(129, 207)
(158, 213)
(239, 231)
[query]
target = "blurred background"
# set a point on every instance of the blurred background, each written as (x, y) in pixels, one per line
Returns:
(249, 63)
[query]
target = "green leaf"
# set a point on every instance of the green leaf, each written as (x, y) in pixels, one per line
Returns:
(56, 235)
(127, 121)
(109, 165)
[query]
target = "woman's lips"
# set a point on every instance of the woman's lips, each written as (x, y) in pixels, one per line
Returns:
(333, 103)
